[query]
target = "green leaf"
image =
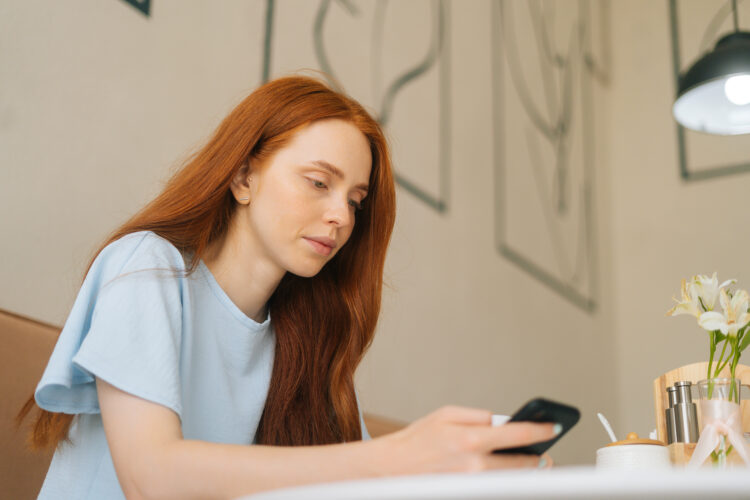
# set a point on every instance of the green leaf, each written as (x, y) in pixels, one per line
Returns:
(745, 343)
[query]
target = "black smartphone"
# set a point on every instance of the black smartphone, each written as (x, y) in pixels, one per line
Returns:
(543, 410)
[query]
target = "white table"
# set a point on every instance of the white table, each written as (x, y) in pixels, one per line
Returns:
(561, 482)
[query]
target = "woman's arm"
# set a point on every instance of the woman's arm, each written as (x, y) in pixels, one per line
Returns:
(152, 460)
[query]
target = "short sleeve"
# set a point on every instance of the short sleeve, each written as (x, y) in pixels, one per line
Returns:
(125, 328)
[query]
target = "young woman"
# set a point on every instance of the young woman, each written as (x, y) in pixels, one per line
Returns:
(211, 349)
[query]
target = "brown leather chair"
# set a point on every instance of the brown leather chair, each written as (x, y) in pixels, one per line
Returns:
(379, 426)
(25, 347)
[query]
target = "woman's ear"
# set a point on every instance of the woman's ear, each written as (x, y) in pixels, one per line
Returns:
(241, 184)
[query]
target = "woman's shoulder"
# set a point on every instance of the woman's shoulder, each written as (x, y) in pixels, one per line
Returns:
(141, 250)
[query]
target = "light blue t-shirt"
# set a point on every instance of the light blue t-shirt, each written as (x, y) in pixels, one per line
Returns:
(141, 325)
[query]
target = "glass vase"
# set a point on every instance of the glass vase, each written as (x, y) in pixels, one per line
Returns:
(726, 390)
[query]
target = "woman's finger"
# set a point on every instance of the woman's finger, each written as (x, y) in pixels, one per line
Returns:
(515, 434)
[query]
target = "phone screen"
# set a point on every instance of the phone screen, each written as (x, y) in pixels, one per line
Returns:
(543, 411)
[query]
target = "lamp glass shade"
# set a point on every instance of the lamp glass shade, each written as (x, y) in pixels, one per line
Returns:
(702, 103)
(706, 108)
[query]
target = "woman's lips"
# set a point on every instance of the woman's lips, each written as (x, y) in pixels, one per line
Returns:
(319, 247)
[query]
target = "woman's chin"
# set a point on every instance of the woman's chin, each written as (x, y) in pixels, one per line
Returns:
(306, 269)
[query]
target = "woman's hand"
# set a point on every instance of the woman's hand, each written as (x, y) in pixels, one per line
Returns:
(458, 439)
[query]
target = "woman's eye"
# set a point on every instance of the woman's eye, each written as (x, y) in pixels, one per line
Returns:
(318, 184)
(355, 204)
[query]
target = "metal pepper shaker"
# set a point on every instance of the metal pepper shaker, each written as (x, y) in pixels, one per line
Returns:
(685, 414)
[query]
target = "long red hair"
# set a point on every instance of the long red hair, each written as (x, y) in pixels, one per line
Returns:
(323, 324)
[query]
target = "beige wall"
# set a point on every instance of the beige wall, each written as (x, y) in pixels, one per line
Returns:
(98, 104)
(462, 325)
(663, 229)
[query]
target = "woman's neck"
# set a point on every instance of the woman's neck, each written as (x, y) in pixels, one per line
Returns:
(246, 276)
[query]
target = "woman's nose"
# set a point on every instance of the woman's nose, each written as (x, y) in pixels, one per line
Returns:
(339, 213)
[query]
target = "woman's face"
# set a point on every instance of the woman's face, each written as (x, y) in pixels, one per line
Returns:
(304, 198)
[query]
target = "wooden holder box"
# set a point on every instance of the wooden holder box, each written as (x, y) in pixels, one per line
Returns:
(680, 453)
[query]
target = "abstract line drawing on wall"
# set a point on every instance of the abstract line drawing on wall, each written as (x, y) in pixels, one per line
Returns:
(267, 40)
(545, 72)
(144, 6)
(390, 56)
(705, 156)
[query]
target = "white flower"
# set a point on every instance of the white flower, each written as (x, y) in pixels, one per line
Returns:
(708, 289)
(690, 301)
(699, 295)
(734, 317)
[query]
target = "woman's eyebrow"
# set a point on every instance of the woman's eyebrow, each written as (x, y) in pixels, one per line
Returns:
(336, 172)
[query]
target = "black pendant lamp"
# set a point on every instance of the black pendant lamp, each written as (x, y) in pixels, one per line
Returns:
(714, 93)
